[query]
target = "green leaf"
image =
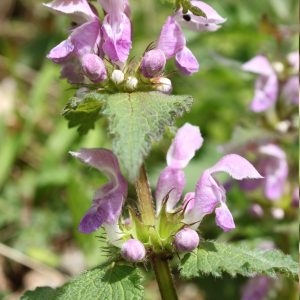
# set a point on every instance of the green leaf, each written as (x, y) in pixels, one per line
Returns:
(217, 258)
(109, 282)
(46, 293)
(84, 112)
(137, 120)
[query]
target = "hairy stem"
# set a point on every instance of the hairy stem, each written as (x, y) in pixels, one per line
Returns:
(164, 279)
(160, 265)
(144, 198)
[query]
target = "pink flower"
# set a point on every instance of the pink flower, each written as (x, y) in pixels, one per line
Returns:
(108, 200)
(266, 86)
(70, 53)
(172, 41)
(116, 30)
(79, 10)
(209, 195)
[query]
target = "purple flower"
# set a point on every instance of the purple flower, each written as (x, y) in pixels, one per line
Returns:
(257, 288)
(290, 90)
(108, 200)
(211, 22)
(172, 42)
(209, 195)
(116, 30)
(83, 40)
(274, 168)
(79, 10)
(266, 86)
(172, 179)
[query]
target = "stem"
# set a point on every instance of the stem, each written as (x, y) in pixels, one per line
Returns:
(164, 278)
(160, 265)
(144, 197)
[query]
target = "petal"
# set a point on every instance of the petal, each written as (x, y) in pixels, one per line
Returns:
(108, 200)
(259, 65)
(197, 23)
(188, 139)
(62, 52)
(208, 195)
(86, 37)
(171, 39)
(170, 183)
(275, 171)
(186, 62)
(117, 38)
(188, 202)
(78, 9)
(114, 234)
(91, 221)
(266, 89)
(224, 218)
(114, 7)
(236, 166)
(290, 90)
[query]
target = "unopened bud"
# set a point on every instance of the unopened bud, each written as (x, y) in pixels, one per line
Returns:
(186, 240)
(256, 210)
(153, 63)
(117, 76)
(133, 250)
(131, 83)
(163, 84)
(93, 67)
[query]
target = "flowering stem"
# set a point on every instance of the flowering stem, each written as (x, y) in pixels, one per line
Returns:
(144, 198)
(164, 278)
(160, 265)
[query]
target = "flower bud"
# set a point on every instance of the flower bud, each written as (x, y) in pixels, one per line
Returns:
(133, 250)
(93, 67)
(163, 84)
(256, 210)
(186, 240)
(117, 76)
(131, 83)
(153, 63)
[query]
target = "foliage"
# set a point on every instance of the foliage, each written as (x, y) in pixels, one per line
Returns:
(136, 120)
(110, 281)
(217, 258)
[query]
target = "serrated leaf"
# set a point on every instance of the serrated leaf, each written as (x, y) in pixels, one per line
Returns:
(137, 120)
(46, 293)
(83, 113)
(217, 258)
(109, 282)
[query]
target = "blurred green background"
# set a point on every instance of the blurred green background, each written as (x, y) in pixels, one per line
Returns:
(44, 191)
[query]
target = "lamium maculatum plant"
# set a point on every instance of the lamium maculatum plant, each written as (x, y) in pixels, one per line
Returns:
(135, 97)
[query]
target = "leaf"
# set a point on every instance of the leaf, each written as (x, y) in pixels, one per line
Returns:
(109, 282)
(46, 293)
(84, 112)
(217, 258)
(137, 120)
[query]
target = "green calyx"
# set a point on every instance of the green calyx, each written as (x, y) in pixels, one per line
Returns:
(157, 238)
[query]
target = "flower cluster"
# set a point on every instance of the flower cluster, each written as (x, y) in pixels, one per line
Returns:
(209, 195)
(269, 83)
(97, 50)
